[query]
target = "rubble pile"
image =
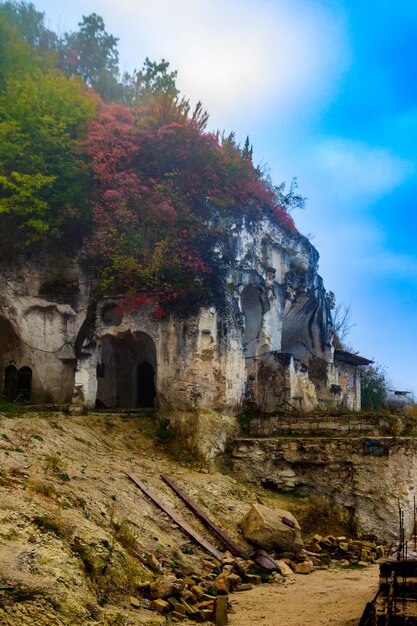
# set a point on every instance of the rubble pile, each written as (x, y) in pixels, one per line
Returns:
(362, 552)
(201, 597)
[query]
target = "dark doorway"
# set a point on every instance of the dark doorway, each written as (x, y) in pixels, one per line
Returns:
(10, 382)
(24, 383)
(127, 372)
(145, 385)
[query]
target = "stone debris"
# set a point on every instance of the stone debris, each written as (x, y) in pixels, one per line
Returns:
(160, 606)
(305, 567)
(164, 587)
(343, 551)
(220, 611)
(202, 598)
(135, 603)
(284, 569)
(154, 564)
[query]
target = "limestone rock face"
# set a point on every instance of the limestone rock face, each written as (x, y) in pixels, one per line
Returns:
(265, 527)
(343, 470)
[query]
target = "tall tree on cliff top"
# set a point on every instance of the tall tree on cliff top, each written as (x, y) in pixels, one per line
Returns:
(30, 25)
(164, 189)
(92, 54)
(43, 115)
(42, 180)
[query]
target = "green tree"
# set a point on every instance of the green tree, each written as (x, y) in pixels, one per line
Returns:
(29, 23)
(154, 78)
(374, 386)
(43, 178)
(16, 56)
(92, 54)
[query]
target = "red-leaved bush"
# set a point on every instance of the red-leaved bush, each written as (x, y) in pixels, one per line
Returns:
(164, 190)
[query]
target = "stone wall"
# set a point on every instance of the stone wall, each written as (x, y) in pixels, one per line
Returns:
(365, 475)
(313, 424)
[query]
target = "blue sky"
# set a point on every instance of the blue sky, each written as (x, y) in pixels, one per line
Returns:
(327, 92)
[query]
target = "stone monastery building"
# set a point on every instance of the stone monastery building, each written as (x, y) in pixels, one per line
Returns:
(269, 346)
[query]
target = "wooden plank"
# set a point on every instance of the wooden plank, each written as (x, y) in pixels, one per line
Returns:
(177, 518)
(228, 542)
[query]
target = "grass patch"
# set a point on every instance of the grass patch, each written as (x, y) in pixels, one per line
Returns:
(37, 437)
(54, 463)
(24, 594)
(63, 476)
(49, 524)
(125, 535)
(163, 433)
(244, 418)
(6, 406)
(212, 591)
(111, 572)
(4, 478)
(265, 576)
(44, 489)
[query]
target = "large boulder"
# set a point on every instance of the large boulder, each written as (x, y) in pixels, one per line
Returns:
(272, 529)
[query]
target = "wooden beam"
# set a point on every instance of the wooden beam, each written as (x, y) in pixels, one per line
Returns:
(228, 542)
(177, 518)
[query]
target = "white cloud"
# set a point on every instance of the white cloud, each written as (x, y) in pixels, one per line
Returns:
(355, 171)
(240, 57)
(245, 59)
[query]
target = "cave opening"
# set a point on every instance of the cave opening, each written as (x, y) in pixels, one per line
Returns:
(127, 372)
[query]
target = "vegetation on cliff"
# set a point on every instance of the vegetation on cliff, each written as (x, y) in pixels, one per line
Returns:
(118, 166)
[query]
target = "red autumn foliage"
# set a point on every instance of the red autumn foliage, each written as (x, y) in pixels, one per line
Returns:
(162, 188)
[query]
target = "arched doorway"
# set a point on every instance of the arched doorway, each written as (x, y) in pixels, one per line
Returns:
(10, 382)
(24, 383)
(145, 385)
(127, 371)
(17, 383)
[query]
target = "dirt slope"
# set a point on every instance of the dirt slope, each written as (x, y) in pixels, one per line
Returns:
(76, 534)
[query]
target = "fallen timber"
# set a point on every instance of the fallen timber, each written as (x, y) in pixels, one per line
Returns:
(224, 538)
(395, 603)
(191, 532)
(260, 557)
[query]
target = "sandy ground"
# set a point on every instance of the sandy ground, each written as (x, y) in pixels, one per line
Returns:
(335, 597)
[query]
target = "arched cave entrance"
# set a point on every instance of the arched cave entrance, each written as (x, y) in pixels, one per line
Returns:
(17, 383)
(10, 382)
(127, 371)
(145, 379)
(24, 383)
